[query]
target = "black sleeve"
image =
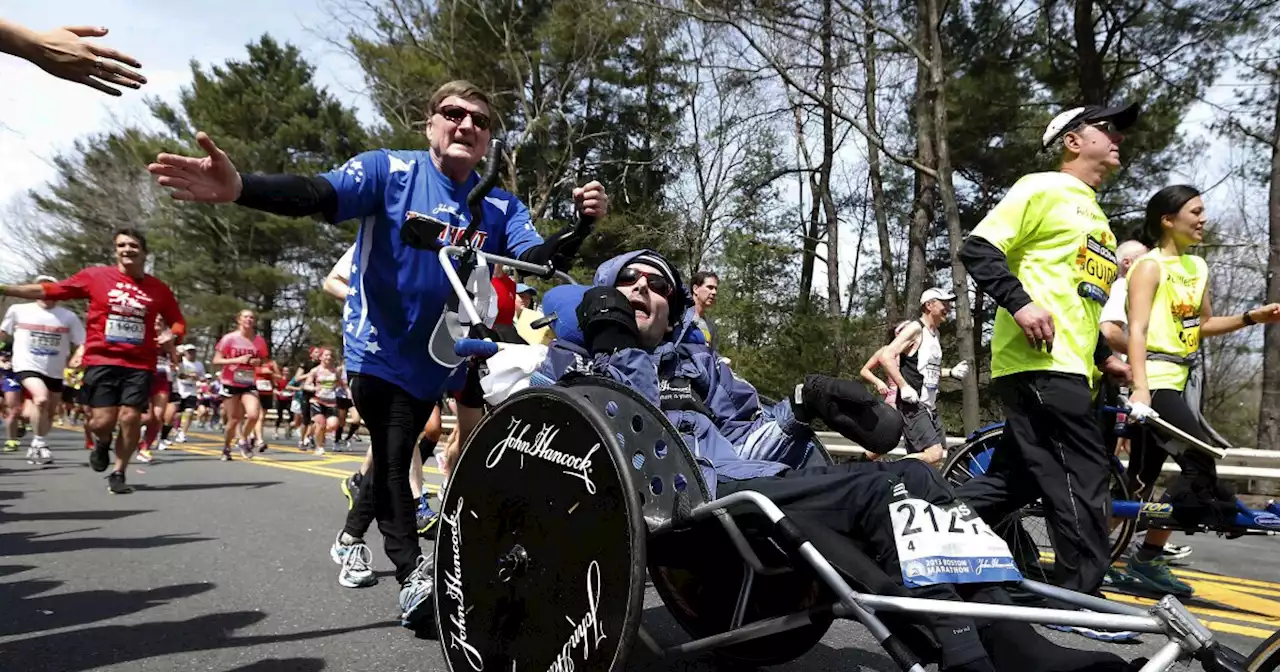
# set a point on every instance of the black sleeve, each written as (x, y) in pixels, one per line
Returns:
(1102, 350)
(289, 195)
(557, 250)
(990, 270)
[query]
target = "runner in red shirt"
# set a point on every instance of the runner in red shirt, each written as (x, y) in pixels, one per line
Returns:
(121, 344)
(239, 353)
(265, 374)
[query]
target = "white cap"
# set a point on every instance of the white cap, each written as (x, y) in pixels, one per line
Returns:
(936, 293)
(1122, 117)
(46, 278)
(186, 346)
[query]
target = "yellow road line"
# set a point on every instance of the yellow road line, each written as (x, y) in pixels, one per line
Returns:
(1272, 623)
(1047, 556)
(328, 457)
(215, 450)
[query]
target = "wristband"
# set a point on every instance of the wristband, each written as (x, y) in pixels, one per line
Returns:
(1248, 319)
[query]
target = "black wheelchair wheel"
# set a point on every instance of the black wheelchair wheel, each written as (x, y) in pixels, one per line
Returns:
(1026, 531)
(540, 549)
(1265, 658)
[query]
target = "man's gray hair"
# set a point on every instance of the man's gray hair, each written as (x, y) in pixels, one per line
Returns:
(1126, 249)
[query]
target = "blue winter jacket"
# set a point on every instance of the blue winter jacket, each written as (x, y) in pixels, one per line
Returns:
(735, 438)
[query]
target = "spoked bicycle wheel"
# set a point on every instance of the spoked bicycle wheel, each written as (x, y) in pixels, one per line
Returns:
(1025, 530)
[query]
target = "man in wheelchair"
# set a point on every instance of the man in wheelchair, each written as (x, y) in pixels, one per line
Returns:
(626, 327)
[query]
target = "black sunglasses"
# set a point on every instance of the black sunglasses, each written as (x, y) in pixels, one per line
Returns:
(1106, 126)
(456, 114)
(630, 276)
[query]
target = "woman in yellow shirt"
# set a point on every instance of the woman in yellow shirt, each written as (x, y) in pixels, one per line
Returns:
(1169, 312)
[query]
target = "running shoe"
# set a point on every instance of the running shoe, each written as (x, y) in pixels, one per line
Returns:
(31, 455)
(144, 456)
(1171, 551)
(1118, 579)
(319, 450)
(165, 444)
(426, 517)
(11, 446)
(181, 438)
(246, 449)
(262, 446)
(98, 458)
(1156, 575)
(44, 455)
(226, 454)
(357, 563)
(351, 488)
(116, 484)
(415, 595)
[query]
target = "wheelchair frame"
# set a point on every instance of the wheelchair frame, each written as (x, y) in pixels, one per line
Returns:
(676, 509)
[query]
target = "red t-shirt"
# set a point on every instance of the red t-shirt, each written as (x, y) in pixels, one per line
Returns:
(505, 287)
(121, 325)
(235, 345)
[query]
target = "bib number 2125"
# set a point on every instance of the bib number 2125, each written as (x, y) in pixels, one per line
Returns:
(947, 544)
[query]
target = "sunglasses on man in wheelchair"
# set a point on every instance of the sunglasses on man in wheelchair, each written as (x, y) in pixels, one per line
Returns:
(656, 282)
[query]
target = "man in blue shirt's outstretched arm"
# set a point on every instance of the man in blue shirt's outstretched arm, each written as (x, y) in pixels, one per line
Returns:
(397, 295)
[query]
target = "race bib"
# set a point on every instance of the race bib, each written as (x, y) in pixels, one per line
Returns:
(125, 329)
(1097, 269)
(45, 343)
(264, 385)
(242, 377)
(326, 392)
(947, 544)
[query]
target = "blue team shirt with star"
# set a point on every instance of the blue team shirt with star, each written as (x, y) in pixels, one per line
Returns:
(398, 293)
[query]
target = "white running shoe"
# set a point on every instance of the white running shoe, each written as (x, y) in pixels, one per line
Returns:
(44, 455)
(319, 450)
(144, 456)
(182, 437)
(357, 563)
(165, 444)
(31, 455)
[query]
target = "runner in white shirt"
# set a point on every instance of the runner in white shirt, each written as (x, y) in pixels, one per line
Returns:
(44, 335)
(190, 373)
(914, 364)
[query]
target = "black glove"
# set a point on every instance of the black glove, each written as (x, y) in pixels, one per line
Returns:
(561, 247)
(850, 409)
(607, 320)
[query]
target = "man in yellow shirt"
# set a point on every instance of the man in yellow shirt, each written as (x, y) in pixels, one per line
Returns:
(1046, 254)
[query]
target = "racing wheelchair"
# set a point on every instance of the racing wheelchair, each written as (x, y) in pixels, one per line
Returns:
(566, 495)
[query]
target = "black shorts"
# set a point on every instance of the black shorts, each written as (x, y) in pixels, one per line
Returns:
(230, 391)
(345, 404)
(54, 384)
(188, 403)
(174, 397)
(69, 394)
(306, 408)
(267, 400)
(106, 386)
(324, 411)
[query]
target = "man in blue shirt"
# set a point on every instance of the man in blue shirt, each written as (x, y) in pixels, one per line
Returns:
(398, 350)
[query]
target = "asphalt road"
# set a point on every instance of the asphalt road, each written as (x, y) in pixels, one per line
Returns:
(225, 566)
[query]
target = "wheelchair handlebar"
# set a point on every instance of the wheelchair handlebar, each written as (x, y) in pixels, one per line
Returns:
(475, 347)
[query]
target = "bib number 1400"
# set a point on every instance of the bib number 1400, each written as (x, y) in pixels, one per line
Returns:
(947, 544)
